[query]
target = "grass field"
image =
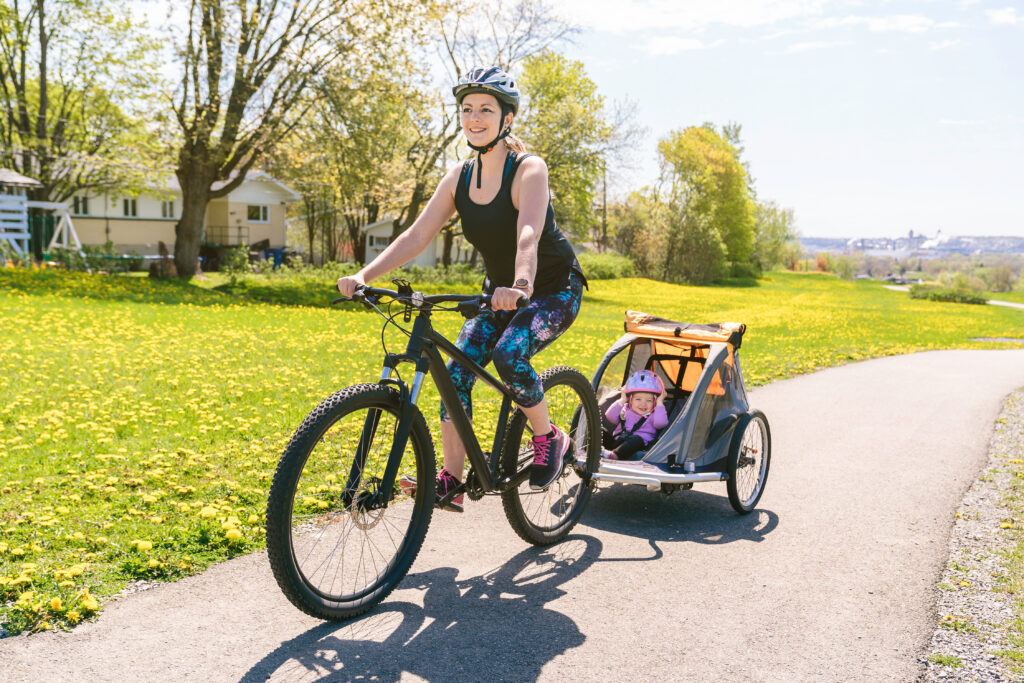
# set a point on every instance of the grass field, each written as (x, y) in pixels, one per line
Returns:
(141, 421)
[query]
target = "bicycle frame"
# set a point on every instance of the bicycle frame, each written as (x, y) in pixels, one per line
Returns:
(423, 349)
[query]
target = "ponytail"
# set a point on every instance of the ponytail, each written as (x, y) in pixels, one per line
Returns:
(515, 144)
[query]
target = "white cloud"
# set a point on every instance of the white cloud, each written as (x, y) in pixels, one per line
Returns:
(671, 45)
(942, 44)
(903, 23)
(619, 16)
(1005, 16)
(813, 45)
(958, 122)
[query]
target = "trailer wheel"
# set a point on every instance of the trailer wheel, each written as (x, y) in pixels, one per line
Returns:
(750, 454)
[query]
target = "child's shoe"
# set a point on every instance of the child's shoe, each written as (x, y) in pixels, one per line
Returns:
(548, 453)
(445, 484)
(608, 455)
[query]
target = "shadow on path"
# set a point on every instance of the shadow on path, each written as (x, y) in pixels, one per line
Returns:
(684, 517)
(489, 627)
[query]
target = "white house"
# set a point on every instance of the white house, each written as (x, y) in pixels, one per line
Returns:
(378, 237)
(252, 212)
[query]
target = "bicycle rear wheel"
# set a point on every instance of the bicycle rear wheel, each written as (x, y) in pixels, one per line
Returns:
(546, 517)
(335, 546)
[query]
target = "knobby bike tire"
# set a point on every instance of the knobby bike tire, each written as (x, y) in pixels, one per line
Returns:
(546, 517)
(316, 522)
(750, 454)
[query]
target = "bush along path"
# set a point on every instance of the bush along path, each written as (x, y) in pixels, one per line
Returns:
(980, 632)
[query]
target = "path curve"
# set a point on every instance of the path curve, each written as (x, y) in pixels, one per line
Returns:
(832, 578)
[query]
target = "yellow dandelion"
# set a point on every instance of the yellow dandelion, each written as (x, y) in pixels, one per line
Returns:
(88, 602)
(153, 564)
(73, 616)
(233, 534)
(253, 519)
(55, 604)
(143, 545)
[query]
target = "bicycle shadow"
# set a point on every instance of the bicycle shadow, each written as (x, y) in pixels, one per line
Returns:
(493, 627)
(684, 517)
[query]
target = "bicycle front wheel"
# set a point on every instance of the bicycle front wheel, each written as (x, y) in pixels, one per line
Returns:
(335, 545)
(545, 517)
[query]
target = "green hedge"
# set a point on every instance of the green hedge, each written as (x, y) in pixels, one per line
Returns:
(957, 296)
(606, 266)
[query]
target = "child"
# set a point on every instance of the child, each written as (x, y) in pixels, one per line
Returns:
(637, 416)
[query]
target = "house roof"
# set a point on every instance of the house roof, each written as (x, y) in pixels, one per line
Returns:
(171, 183)
(371, 226)
(15, 179)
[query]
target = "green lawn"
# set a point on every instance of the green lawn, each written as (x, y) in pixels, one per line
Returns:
(141, 421)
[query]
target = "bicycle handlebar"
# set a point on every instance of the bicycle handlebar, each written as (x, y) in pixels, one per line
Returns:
(418, 299)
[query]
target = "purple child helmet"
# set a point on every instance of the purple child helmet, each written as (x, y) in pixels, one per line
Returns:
(643, 380)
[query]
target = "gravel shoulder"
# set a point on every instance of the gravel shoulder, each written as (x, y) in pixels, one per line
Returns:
(972, 610)
(833, 577)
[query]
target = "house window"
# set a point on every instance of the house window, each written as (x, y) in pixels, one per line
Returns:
(379, 240)
(167, 209)
(80, 206)
(258, 213)
(131, 210)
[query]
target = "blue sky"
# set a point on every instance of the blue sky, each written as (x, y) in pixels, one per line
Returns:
(866, 118)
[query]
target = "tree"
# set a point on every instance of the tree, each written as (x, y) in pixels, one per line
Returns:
(709, 190)
(567, 122)
(639, 224)
(773, 228)
(246, 77)
(72, 77)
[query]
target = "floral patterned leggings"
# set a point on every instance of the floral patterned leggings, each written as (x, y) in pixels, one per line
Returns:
(511, 339)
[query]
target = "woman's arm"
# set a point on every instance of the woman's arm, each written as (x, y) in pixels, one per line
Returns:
(410, 243)
(530, 195)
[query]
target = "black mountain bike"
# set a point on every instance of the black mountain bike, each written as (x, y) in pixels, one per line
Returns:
(342, 533)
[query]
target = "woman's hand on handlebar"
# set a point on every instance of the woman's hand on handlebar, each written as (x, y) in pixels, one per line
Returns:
(347, 285)
(506, 298)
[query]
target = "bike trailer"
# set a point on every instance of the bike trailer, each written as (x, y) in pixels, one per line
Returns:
(712, 433)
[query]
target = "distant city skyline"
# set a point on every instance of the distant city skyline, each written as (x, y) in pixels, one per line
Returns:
(868, 119)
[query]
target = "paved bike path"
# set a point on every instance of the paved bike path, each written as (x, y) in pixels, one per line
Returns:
(832, 578)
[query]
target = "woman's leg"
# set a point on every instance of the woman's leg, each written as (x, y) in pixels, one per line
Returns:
(476, 339)
(527, 334)
(529, 331)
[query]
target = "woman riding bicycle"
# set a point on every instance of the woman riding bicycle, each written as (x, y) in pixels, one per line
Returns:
(503, 201)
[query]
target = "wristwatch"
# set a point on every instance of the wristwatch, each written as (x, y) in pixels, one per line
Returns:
(523, 284)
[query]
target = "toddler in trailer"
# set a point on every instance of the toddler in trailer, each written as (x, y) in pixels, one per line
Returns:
(637, 416)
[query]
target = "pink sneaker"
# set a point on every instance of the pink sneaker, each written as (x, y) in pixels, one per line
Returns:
(446, 483)
(548, 457)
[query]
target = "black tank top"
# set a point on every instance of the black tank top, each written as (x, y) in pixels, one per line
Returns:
(491, 228)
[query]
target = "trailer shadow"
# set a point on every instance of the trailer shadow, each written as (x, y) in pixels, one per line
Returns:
(685, 516)
(490, 627)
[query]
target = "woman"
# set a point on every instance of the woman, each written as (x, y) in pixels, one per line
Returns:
(503, 200)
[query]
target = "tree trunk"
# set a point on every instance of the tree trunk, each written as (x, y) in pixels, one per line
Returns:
(448, 237)
(188, 232)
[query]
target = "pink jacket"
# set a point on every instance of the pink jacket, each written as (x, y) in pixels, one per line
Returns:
(658, 419)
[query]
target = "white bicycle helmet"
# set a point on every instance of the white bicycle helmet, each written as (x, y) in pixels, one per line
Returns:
(491, 80)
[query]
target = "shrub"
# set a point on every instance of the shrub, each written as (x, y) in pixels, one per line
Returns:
(606, 266)
(93, 258)
(959, 296)
(235, 260)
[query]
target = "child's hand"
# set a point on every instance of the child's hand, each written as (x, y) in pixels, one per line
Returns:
(661, 399)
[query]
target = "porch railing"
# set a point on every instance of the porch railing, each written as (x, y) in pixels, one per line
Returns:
(227, 235)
